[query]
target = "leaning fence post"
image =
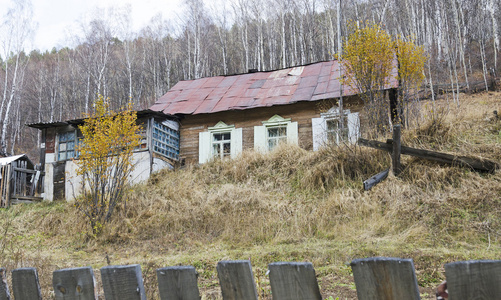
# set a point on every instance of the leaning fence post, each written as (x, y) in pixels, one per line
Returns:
(178, 283)
(25, 285)
(4, 287)
(74, 283)
(397, 149)
(293, 281)
(123, 282)
(385, 278)
(473, 279)
(236, 280)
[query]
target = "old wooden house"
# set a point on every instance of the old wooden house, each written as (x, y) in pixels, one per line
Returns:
(159, 149)
(222, 116)
(219, 117)
(19, 180)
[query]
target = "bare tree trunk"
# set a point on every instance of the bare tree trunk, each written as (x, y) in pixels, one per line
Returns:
(495, 34)
(459, 37)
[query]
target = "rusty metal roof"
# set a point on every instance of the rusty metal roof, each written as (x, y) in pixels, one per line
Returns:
(75, 122)
(312, 82)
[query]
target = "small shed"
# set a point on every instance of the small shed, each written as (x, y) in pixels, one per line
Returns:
(19, 181)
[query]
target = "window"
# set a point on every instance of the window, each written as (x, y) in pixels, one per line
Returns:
(276, 135)
(220, 141)
(273, 132)
(337, 130)
(221, 144)
(328, 130)
(165, 139)
(66, 145)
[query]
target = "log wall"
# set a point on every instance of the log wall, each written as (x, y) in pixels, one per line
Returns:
(302, 112)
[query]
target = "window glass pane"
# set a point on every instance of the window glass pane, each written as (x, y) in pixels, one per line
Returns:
(331, 136)
(282, 131)
(343, 134)
(70, 154)
(215, 150)
(226, 136)
(273, 132)
(272, 143)
(217, 136)
(70, 145)
(62, 146)
(61, 156)
(332, 125)
(226, 149)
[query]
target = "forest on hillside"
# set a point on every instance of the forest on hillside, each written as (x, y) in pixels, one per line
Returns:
(460, 37)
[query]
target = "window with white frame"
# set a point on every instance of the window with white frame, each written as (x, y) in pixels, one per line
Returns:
(221, 144)
(276, 135)
(220, 141)
(66, 145)
(331, 128)
(273, 132)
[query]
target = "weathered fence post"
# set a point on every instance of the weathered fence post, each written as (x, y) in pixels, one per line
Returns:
(385, 278)
(123, 282)
(293, 281)
(4, 287)
(74, 283)
(474, 279)
(25, 285)
(236, 280)
(397, 149)
(178, 283)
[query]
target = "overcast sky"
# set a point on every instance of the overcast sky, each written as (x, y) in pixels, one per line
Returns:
(59, 18)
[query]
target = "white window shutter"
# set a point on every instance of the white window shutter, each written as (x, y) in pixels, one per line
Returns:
(353, 127)
(204, 147)
(319, 132)
(292, 133)
(236, 142)
(260, 138)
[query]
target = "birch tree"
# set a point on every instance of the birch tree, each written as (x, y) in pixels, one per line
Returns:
(16, 30)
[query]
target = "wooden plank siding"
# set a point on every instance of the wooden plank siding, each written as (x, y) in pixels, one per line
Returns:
(301, 112)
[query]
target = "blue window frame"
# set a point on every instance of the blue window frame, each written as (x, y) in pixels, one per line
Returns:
(165, 141)
(66, 145)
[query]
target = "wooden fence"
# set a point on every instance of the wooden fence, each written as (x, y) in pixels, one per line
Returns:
(375, 278)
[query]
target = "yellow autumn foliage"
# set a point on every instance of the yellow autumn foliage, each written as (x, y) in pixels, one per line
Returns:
(411, 60)
(370, 60)
(105, 160)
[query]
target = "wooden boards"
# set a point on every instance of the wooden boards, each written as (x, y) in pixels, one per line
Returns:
(478, 164)
(25, 285)
(293, 281)
(178, 283)
(123, 282)
(474, 279)
(385, 278)
(74, 284)
(236, 280)
(4, 288)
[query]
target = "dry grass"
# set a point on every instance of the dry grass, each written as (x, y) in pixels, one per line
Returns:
(291, 205)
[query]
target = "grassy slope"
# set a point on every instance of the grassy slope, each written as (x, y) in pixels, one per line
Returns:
(290, 205)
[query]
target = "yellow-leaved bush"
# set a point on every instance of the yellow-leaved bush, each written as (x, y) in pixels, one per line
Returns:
(370, 57)
(411, 59)
(105, 160)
